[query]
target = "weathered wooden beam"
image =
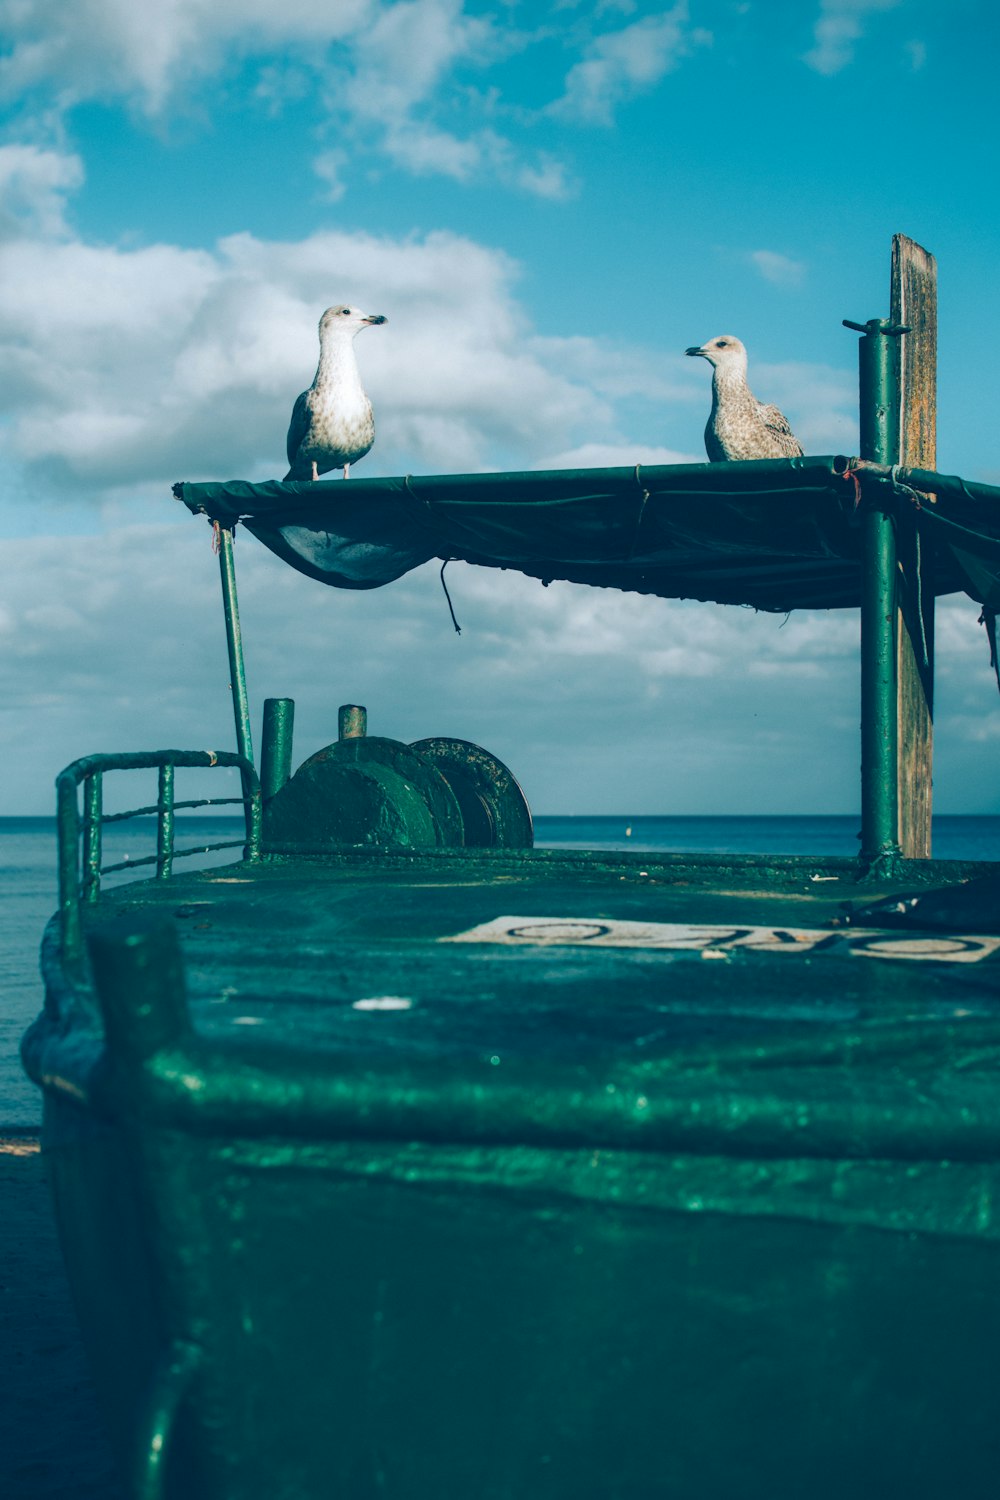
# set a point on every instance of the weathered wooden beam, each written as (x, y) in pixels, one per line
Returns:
(913, 296)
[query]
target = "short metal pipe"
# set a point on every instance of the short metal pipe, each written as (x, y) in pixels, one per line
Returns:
(234, 640)
(139, 978)
(276, 745)
(68, 826)
(165, 823)
(352, 721)
(93, 808)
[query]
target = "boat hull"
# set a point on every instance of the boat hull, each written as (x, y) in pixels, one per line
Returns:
(421, 1321)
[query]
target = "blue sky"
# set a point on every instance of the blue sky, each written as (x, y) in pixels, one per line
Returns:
(549, 202)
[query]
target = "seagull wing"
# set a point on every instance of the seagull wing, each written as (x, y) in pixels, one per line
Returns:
(297, 427)
(778, 424)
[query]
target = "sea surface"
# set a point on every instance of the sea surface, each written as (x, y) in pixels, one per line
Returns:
(28, 883)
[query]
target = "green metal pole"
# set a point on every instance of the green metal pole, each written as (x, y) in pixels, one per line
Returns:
(234, 640)
(68, 825)
(276, 745)
(92, 812)
(878, 370)
(165, 823)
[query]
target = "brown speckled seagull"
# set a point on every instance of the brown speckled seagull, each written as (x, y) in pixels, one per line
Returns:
(332, 424)
(740, 426)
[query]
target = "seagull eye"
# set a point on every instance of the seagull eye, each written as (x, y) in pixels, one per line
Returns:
(345, 312)
(721, 343)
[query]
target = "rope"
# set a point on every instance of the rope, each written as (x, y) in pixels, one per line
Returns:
(458, 628)
(920, 605)
(424, 500)
(899, 488)
(989, 619)
(218, 529)
(852, 475)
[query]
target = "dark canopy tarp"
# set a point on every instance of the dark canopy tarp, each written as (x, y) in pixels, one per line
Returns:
(776, 534)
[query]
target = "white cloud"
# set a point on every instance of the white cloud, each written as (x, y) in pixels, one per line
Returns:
(599, 701)
(396, 76)
(617, 456)
(548, 179)
(621, 64)
(329, 168)
(111, 48)
(620, 370)
(820, 402)
(779, 269)
(426, 150)
(97, 620)
(34, 184)
(411, 46)
(123, 367)
(838, 26)
(122, 370)
(915, 53)
(379, 69)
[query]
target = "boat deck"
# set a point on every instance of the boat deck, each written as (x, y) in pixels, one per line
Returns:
(548, 951)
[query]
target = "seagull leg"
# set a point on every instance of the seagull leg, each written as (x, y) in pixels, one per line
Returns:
(315, 472)
(346, 468)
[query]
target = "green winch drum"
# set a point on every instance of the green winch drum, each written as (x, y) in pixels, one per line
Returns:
(371, 790)
(365, 791)
(494, 808)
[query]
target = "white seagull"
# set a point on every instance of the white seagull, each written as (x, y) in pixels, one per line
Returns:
(332, 423)
(740, 426)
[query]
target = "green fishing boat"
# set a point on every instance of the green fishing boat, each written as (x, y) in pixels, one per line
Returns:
(398, 1158)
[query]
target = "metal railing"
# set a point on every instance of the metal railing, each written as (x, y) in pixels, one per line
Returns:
(80, 869)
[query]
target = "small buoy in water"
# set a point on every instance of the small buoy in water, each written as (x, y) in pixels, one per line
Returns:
(628, 833)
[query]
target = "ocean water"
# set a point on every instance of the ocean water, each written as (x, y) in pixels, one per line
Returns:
(953, 837)
(28, 898)
(28, 883)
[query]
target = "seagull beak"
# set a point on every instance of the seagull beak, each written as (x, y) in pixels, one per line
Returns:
(376, 318)
(695, 351)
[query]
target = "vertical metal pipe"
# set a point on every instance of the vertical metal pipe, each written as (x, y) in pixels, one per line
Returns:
(68, 828)
(352, 721)
(139, 978)
(234, 640)
(165, 823)
(252, 819)
(878, 369)
(276, 745)
(93, 807)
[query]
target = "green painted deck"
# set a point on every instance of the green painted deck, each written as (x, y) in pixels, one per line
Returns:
(314, 936)
(669, 1004)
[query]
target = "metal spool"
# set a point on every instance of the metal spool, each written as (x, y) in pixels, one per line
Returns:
(408, 777)
(329, 803)
(494, 808)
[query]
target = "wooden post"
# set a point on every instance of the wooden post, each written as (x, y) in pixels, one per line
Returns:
(914, 303)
